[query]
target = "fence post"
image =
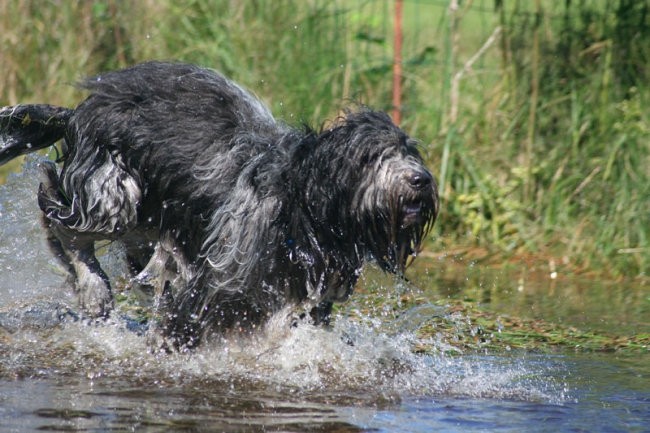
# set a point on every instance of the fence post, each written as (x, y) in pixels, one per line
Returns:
(397, 63)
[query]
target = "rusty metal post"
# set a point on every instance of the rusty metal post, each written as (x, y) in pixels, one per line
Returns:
(397, 63)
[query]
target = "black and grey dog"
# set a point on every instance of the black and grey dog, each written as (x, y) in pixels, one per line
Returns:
(227, 213)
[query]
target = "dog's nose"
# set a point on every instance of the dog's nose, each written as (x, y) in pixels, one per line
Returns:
(419, 179)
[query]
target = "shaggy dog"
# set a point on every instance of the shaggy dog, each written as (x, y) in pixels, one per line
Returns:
(228, 214)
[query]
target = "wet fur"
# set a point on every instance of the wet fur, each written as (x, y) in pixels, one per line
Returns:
(227, 213)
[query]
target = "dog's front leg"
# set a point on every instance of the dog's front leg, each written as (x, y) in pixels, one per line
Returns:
(91, 283)
(74, 248)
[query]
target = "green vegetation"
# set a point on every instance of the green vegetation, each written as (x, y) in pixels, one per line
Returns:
(461, 326)
(538, 134)
(460, 323)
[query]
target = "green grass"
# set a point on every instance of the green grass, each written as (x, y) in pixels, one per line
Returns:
(548, 153)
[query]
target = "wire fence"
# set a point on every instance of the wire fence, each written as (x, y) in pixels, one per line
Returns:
(419, 42)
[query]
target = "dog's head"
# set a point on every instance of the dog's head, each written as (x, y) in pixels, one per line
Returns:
(391, 198)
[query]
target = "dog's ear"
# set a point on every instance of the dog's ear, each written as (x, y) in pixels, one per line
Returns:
(27, 128)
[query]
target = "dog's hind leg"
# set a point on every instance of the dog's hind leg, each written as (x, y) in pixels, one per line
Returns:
(166, 272)
(156, 276)
(76, 250)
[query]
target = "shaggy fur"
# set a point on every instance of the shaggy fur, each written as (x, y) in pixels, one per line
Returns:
(227, 213)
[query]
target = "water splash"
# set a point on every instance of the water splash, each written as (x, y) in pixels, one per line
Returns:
(27, 268)
(41, 336)
(304, 360)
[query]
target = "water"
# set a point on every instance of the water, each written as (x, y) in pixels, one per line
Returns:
(58, 373)
(539, 292)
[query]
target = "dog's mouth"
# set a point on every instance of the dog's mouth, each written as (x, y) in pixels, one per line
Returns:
(411, 212)
(417, 214)
(414, 215)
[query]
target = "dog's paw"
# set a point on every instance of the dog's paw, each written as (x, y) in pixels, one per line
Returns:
(95, 298)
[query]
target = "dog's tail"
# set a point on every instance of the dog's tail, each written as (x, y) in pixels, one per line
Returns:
(27, 128)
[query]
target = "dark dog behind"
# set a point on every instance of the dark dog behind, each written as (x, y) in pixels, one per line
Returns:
(228, 214)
